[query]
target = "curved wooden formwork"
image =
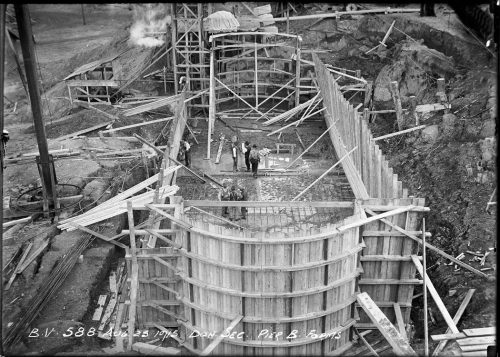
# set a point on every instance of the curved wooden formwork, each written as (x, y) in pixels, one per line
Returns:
(299, 285)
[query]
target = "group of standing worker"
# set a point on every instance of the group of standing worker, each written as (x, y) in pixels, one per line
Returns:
(252, 157)
(233, 193)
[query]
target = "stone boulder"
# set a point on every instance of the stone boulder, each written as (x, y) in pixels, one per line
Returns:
(430, 134)
(95, 190)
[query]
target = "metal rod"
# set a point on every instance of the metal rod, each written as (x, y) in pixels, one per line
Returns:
(26, 39)
(2, 52)
(426, 332)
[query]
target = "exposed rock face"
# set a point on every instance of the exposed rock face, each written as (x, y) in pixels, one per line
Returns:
(430, 134)
(416, 65)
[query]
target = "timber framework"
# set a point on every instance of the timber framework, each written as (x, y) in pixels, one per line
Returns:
(295, 266)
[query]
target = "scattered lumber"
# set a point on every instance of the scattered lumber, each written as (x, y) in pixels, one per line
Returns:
(35, 254)
(152, 105)
(84, 131)
(17, 221)
(98, 312)
(397, 342)
(431, 247)
(18, 270)
(137, 125)
(88, 106)
(290, 113)
(147, 349)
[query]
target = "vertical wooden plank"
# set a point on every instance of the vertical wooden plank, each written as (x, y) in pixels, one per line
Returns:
(134, 277)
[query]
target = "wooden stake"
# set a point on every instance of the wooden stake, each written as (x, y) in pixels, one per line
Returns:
(134, 283)
(361, 337)
(424, 278)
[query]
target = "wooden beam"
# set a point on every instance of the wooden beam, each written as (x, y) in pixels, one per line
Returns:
(376, 217)
(98, 235)
(456, 319)
(399, 132)
(91, 83)
(432, 290)
(220, 336)
(397, 342)
(83, 131)
(18, 267)
(181, 223)
(253, 204)
(17, 221)
(431, 247)
(400, 321)
(340, 13)
(137, 125)
(476, 331)
(300, 139)
(217, 217)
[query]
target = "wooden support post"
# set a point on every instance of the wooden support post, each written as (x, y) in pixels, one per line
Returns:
(323, 174)
(456, 319)
(435, 296)
(211, 108)
(399, 345)
(400, 320)
(256, 74)
(134, 282)
(431, 247)
(424, 278)
(297, 71)
(397, 103)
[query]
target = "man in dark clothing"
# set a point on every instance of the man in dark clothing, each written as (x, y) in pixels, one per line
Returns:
(5, 138)
(225, 195)
(247, 154)
(254, 160)
(234, 153)
(235, 196)
(244, 197)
